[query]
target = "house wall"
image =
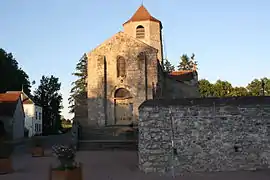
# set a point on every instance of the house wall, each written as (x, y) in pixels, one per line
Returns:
(38, 119)
(29, 116)
(208, 134)
(33, 119)
(8, 125)
(18, 123)
(174, 89)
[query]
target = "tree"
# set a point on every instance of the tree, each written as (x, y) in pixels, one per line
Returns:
(239, 91)
(168, 67)
(206, 88)
(47, 95)
(12, 78)
(255, 88)
(80, 85)
(222, 89)
(187, 63)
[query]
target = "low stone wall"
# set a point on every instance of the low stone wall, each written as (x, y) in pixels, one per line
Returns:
(211, 134)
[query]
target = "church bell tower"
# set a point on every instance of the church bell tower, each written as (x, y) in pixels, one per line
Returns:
(146, 28)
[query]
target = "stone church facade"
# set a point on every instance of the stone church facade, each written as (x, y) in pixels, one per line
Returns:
(126, 70)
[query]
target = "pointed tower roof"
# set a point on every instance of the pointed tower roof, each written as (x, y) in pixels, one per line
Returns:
(142, 14)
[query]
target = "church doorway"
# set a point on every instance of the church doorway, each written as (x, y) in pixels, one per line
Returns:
(123, 106)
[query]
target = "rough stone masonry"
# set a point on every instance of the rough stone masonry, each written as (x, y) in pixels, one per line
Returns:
(210, 134)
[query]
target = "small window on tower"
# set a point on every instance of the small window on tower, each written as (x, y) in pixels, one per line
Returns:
(140, 32)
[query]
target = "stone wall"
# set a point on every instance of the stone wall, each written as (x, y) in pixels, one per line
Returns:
(211, 134)
(101, 90)
(80, 109)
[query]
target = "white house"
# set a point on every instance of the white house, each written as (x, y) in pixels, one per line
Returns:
(33, 114)
(12, 115)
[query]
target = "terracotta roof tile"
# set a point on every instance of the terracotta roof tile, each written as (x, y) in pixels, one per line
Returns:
(183, 75)
(9, 97)
(25, 98)
(142, 15)
(176, 73)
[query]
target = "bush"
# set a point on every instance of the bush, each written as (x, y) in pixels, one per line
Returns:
(65, 155)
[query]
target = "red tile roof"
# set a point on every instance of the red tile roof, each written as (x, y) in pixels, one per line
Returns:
(8, 103)
(142, 15)
(177, 73)
(25, 98)
(9, 97)
(183, 75)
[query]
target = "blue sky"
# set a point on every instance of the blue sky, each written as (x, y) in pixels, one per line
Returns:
(231, 39)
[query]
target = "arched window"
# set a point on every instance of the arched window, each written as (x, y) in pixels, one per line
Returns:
(140, 32)
(122, 93)
(121, 66)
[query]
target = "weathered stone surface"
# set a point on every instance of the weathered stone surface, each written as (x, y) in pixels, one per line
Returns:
(213, 134)
(144, 77)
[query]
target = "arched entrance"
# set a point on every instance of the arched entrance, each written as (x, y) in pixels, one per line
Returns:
(123, 106)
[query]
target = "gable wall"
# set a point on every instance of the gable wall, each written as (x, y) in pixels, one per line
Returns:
(18, 122)
(129, 48)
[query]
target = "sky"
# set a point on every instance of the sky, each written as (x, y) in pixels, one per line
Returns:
(231, 39)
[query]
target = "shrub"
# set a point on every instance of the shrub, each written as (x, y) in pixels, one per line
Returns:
(65, 155)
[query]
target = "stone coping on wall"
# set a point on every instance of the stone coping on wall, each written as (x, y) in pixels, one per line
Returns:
(245, 100)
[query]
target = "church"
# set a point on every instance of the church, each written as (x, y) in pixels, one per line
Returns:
(127, 69)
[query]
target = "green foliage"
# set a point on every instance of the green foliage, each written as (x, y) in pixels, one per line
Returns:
(255, 87)
(12, 77)
(66, 156)
(187, 63)
(206, 88)
(168, 67)
(239, 91)
(225, 89)
(66, 123)
(222, 88)
(48, 96)
(80, 85)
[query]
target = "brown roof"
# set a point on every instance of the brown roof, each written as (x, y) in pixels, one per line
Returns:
(9, 97)
(25, 98)
(142, 15)
(8, 103)
(183, 75)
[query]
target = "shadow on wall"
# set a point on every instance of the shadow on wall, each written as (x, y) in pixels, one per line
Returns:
(2, 130)
(116, 109)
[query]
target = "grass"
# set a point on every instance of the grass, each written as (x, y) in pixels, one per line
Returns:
(66, 126)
